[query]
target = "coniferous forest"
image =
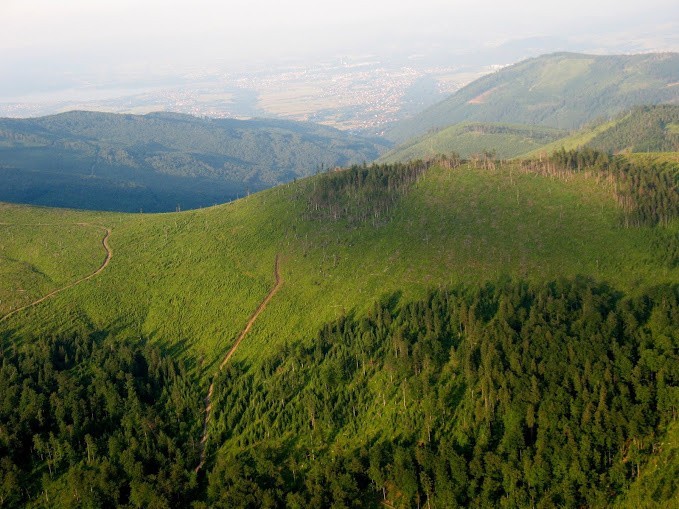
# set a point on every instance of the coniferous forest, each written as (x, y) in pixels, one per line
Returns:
(108, 422)
(508, 394)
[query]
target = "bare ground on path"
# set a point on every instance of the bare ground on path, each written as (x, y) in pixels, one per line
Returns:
(248, 326)
(107, 260)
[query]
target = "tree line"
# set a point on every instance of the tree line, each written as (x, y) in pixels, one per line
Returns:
(361, 194)
(647, 192)
(508, 394)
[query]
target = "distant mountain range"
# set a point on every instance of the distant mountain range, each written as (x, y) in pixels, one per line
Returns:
(165, 161)
(561, 90)
(161, 161)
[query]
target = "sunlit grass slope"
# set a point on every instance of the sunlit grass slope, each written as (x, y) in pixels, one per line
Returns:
(470, 138)
(190, 280)
(42, 250)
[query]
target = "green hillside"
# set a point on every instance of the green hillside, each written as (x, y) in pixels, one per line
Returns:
(440, 335)
(453, 226)
(471, 138)
(580, 138)
(561, 90)
(161, 161)
(643, 129)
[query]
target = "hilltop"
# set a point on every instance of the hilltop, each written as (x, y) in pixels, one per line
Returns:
(412, 330)
(560, 90)
(162, 161)
(342, 246)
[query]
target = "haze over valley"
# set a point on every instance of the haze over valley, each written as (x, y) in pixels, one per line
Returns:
(357, 73)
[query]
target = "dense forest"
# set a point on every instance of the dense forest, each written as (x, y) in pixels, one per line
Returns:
(88, 421)
(511, 394)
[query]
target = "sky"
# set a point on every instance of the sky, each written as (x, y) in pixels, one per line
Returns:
(49, 41)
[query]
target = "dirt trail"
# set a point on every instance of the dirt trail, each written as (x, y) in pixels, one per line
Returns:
(109, 255)
(248, 326)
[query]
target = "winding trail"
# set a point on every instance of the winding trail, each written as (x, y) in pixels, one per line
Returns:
(248, 326)
(107, 260)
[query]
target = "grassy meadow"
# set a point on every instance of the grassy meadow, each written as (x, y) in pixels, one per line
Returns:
(190, 280)
(42, 250)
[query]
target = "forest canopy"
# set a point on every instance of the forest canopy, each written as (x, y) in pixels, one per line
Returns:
(512, 393)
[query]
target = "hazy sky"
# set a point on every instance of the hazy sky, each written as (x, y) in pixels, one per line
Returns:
(65, 37)
(261, 27)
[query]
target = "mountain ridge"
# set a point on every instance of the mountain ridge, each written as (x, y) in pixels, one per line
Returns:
(161, 161)
(561, 90)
